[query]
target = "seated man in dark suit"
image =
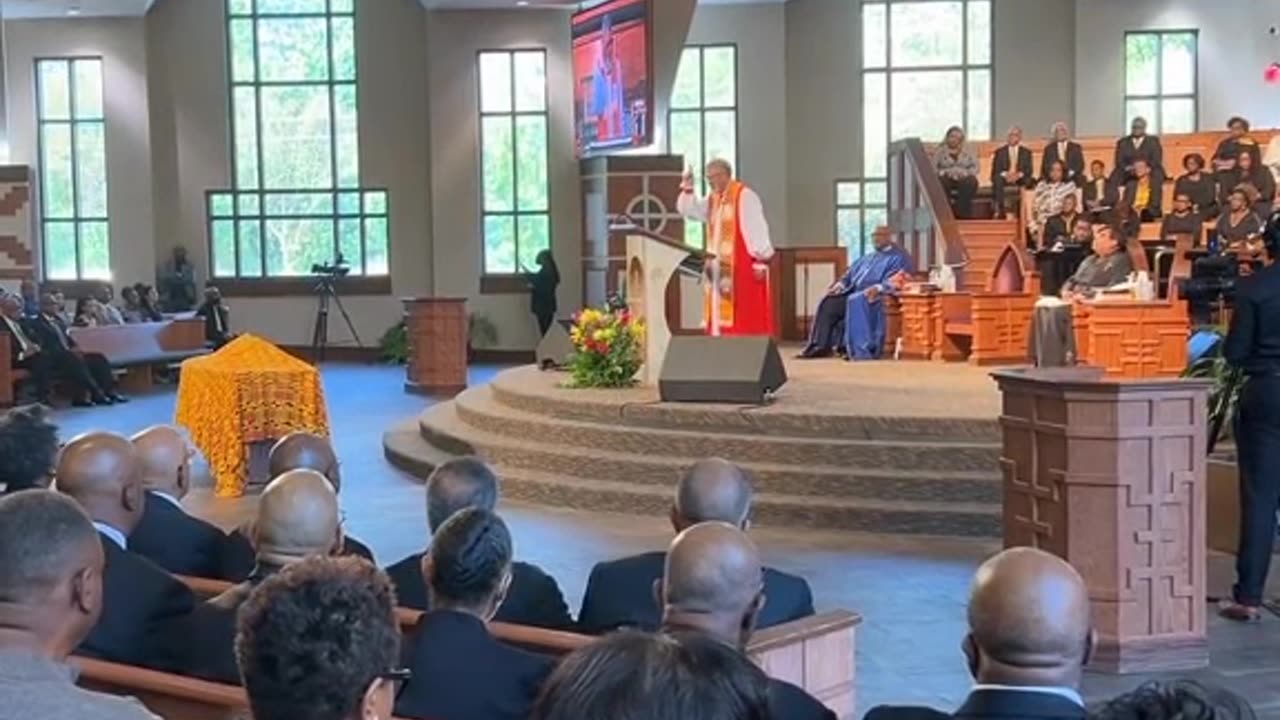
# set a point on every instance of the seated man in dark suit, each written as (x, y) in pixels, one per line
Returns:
(1010, 168)
(655, 675)
(1029, 639)
(51, 567)
(1061, 227)
(713, 583)
(619, 593)
(1138, 145)
(179, 542)
(1066, 151)
(295, 451)
(534, 597)
(144, 608)
(28, 351)
(459, 669)
(297, 519)
(1099, 194)
(50, 330)
(320, 641)
(217, 318)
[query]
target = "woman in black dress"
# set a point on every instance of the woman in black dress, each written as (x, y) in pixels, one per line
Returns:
(1200, 186)
(542, 291)
(1259, 177)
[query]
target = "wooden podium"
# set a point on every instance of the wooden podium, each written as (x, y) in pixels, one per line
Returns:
(652, 263)
(437, 329)
(1110, 475)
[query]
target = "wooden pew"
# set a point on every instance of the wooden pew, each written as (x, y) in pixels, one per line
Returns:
(1176, 146)
(173, 697)
(815, 653)
(138, 347)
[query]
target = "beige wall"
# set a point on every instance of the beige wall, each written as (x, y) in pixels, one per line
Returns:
(1234, 49)
(824, 104)
(454, 38)
(759, 31)
(1034, 74)
(120, 44)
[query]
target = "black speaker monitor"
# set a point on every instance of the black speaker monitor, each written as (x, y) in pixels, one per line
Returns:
(735, 370)
(555, 347)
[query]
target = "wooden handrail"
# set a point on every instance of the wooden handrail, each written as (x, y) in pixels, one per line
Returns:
(918, 205)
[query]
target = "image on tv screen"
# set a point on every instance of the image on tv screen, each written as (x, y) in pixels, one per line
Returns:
(611, 74)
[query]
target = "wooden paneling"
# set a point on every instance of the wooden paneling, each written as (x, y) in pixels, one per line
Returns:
(1111, 477)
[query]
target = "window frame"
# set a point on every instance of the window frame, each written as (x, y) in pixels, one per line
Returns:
(861, 207)
(887, 70)
(274, 284)
(76, 219)
(511, 282)
(701, 111)
(1160, 96)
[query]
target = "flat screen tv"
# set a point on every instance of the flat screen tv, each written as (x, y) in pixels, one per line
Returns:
(613, 94)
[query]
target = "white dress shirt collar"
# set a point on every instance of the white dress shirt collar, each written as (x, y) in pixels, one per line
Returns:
(1069, 693)
(116, 536)
(167, 498)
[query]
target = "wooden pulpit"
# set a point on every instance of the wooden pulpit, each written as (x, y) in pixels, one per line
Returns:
(652, 262)
(437, 330)
(1111, 476)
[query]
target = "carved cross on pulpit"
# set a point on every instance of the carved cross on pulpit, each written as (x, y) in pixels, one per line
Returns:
(1035, 524)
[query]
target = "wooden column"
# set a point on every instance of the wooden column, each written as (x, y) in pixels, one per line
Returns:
(1111, 476)
(437, 345)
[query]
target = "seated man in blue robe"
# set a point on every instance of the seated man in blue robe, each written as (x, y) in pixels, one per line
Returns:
(853, 302)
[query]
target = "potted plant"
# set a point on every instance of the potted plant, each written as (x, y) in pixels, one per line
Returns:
(393, 346)
(481, 333)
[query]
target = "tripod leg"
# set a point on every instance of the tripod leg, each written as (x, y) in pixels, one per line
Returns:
(320, 335)
(347, 318)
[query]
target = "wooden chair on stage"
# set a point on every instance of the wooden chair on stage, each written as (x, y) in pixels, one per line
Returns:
(1138, 339)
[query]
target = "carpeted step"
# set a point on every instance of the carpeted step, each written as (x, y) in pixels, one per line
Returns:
(514, 389)
(915, 518)
(447, 430)
(405, 448)
(477, 408)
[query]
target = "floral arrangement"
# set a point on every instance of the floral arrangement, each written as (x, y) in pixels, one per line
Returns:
(608, 348)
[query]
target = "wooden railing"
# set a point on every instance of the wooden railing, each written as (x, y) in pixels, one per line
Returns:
(920, 218)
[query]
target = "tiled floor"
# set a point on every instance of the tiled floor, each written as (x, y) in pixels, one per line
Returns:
(911, 591)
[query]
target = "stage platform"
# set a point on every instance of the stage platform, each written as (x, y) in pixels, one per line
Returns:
(897, 447)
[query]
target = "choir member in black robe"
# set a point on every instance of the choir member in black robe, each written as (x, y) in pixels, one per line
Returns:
(1184, 220)
(1200, 186)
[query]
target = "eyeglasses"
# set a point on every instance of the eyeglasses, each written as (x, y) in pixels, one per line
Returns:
(397, 677)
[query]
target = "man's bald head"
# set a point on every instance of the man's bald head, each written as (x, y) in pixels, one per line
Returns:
(713, 580)
(1029, 620)
(101, 471)
(297, 517)
(461, 483)
(305, 451)
(165, 458)
(712, 490)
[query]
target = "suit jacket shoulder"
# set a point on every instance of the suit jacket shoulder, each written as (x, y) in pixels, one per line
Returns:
(905, 712)
(177, 541)
(406, 575)
(534, 598)
(1024, 704)
(788, 702)
(461, 671)
(787, 598)
(141, 606)
(620, 594)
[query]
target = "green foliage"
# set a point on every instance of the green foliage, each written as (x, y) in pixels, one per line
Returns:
(481, 332)
(393, 346)
(1224, 396)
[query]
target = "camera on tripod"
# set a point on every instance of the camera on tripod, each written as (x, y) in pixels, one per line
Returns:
(337, 268)
(1213, 279)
